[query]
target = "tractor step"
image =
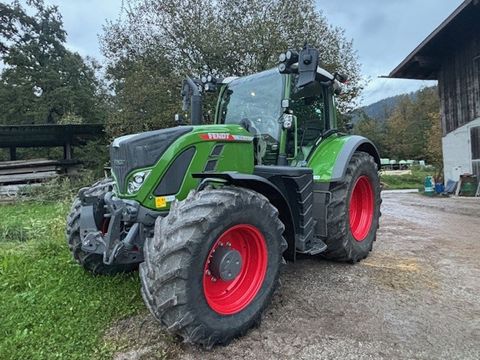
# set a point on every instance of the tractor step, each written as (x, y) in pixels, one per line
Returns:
(318, 247)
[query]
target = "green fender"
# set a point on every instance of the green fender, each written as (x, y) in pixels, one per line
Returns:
(330, 158)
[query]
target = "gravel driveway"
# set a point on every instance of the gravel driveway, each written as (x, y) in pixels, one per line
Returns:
(416, 296)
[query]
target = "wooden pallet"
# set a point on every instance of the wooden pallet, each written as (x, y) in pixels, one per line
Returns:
(16, 174)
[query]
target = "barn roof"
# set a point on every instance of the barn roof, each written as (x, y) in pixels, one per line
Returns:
(424, 62)
(47, 135)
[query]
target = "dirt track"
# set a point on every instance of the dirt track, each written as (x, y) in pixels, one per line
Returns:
(416, 296)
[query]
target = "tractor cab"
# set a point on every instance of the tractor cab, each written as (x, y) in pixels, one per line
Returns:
(285, 120)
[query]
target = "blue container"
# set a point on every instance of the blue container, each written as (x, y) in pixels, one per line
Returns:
(439, 188)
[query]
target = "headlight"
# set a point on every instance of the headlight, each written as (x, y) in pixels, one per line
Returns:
(136, 181)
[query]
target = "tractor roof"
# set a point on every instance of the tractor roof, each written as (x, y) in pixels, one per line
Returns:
(320, 71)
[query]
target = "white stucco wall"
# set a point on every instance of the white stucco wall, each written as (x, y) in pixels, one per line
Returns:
(457, 152)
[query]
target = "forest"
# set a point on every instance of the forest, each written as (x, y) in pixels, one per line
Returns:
(404, 127)
(153, 44)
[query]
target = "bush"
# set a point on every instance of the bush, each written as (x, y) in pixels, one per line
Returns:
(61, 189)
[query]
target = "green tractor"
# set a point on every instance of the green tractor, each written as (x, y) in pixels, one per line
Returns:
(211, 212)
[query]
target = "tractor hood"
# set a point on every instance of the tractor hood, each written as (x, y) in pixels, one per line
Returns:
(142, 150)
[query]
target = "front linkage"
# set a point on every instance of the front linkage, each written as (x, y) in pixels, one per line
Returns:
(107, 231)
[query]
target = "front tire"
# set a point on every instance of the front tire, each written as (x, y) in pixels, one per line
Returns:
(354, 211)
(181, 285)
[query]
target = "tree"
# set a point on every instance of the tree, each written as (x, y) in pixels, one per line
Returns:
(146, 96)
(411, 131)
(398, 141)
(373, 130)
(433, 143)
(42, 81)
(228, 37)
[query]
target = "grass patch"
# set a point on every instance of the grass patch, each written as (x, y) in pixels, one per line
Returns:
(413, 181)
(50, 308)
(30, 221)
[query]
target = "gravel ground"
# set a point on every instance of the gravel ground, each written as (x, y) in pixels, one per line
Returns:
(417, 296)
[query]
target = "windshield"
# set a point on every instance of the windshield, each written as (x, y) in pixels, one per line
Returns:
(256, 99)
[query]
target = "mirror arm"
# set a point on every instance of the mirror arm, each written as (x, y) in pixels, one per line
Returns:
(195, 100)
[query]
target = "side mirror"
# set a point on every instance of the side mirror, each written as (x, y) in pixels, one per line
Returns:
(342, 78)
(307, 66)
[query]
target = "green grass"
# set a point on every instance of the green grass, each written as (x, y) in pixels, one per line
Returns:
(50, 308)
(413, 181)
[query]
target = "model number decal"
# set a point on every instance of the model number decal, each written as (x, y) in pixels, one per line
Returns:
(225, 137)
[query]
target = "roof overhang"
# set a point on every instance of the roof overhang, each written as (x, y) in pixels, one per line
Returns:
(49, 135)
(424, 62)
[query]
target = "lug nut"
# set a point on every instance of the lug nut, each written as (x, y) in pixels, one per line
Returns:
(213, 279)
(208, 272)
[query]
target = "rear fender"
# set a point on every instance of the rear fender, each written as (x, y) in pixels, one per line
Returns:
(329, 160)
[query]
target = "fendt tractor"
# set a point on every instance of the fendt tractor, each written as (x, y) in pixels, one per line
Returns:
(211, 212)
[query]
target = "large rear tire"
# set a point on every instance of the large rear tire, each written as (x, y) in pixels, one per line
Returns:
(182, 286)
(354, 211)
(90, 261)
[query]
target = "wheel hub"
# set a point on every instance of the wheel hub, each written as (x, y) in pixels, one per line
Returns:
(226, 263)
(235, 269)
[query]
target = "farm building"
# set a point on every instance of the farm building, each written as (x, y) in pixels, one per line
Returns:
(451, 55)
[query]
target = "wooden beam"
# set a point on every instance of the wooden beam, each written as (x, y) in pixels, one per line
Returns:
(21, 178)
(35, 163)
(67, 151)
(28, 170)
(427, 62)
(13, 153)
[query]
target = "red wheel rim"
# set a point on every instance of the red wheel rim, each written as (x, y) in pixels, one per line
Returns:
(230, 297)
(361, 208)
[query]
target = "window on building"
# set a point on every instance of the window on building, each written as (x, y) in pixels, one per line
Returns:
(476, 89)
(475, 142)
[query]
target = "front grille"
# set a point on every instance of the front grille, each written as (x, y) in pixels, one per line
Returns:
(138, 151)
(120, 166)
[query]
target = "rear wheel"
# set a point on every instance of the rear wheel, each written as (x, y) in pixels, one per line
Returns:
(213, 264)
(354, 211)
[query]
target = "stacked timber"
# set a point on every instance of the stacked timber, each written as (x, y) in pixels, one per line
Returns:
(16, 174)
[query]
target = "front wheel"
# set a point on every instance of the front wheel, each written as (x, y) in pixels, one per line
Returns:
(354, 211)
(213, 264)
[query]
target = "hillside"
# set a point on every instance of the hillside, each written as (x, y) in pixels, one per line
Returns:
(382, 109)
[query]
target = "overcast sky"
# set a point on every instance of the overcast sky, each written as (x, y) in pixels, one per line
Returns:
(384, 32)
